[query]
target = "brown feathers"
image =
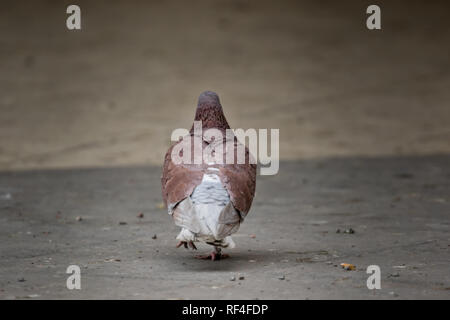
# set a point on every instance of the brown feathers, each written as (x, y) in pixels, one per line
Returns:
(179, 180)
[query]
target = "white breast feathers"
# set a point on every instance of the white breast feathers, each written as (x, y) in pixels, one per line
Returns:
(210, 191)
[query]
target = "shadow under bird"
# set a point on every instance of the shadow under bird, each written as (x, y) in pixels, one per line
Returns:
(209, 199)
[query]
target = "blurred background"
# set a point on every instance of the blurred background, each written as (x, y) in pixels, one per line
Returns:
(111, 93)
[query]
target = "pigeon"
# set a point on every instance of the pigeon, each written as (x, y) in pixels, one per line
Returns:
(208, 198)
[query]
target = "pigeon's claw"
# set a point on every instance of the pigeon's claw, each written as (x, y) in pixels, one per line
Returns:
(182, 243)
(192, 245)
(213, 256)
(186, 244)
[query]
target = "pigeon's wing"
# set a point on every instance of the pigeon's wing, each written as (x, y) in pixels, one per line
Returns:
(178, 181)
(239, 179)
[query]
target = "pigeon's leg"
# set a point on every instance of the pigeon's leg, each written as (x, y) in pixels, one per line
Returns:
(186, 244)
(215, 255)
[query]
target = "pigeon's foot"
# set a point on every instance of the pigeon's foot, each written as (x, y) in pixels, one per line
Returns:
(187, 244)
(214, 256)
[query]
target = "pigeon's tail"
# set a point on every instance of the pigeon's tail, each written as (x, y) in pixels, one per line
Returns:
(208, 214)
(187, 236)
(206, 222)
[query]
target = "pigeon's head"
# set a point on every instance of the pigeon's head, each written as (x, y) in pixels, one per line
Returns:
(210, 98)
(209, 111)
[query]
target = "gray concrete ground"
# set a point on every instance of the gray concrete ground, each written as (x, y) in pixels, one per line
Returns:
(288, 247)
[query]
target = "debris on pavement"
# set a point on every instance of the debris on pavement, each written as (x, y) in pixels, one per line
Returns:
(348, 231)
(394, 275)
(160, 205)
(348, 266)
(154, 237)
